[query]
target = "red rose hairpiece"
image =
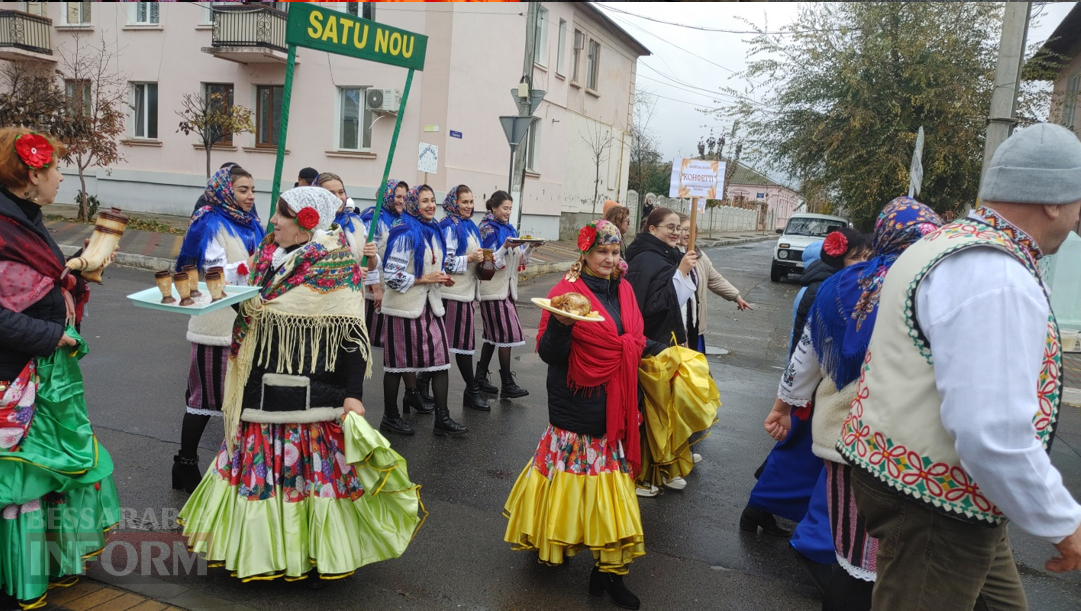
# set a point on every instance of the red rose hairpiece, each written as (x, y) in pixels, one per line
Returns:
(307, 218)
(586, 237)
(835, 245)
(34, 150)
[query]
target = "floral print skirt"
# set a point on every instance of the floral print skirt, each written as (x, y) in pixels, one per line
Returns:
(576, 493)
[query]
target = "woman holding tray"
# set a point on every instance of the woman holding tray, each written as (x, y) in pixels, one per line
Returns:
(302, 486)
(51, 465)
(498, 310)
(223, 233)
(577, 491)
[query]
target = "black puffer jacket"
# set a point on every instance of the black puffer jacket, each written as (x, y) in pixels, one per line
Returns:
(650, 266)
(580, 412)
(36, 330)
(812, 278)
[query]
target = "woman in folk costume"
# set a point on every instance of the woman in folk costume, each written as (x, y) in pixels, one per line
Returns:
(302, 486)
(820, 383)
(577, 491)
(498, 311)
(51, 464)
(354, 228)
(223, 233)
(414, 329)
(463, 244)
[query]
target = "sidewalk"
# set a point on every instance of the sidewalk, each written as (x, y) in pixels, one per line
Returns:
(156, 251)
(1071, 366)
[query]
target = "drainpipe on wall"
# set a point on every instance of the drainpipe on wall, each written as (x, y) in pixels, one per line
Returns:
(619, 174)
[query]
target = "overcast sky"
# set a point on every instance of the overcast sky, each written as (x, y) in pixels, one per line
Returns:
(708, 60)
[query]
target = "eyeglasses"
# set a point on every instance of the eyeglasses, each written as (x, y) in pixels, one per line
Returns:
(669, 228)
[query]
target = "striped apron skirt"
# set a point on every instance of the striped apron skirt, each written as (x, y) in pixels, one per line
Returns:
(856, 550)
(501, 325)
(415, 344)
(206, 379)
(374, 320)
(459, 321)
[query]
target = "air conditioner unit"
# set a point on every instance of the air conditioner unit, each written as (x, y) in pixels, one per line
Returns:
(382, 100)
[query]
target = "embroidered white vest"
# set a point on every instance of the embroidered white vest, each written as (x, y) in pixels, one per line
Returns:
(465, 284)
(410, 304)
(505, 281)
(830, 410)
(216, 328)
(894, 428)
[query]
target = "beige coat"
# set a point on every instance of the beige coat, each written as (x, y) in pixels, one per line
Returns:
(711, 279)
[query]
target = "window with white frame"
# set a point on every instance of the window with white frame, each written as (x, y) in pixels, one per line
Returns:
(561, 49)
(364, 10)
(76, 13)
(354, 120)
(532, 143)
(34, 8)
(576, 57)
(540, 38)
(144, 110)
(1070, 103)
(220, 96)
(145, 13)
(79, 95)
(593, 61)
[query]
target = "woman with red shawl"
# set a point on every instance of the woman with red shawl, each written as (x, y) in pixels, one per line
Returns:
(577, 492)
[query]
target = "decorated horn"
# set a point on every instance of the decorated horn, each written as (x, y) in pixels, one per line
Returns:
(107, 233)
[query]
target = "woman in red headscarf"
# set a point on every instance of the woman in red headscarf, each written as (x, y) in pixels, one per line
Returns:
(577, 492)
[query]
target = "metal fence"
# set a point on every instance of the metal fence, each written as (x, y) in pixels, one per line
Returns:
(246, 26)
(25, 31)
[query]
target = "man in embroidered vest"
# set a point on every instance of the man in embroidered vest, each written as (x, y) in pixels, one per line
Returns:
(955, 412)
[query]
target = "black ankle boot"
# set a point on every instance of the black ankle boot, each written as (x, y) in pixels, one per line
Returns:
(474, 398)
(599, 583)
(753, 519)
(186, 472)
(445, 426)
(413, 399)
(482, 381)
(511, 390)
(424, 386)
(392, 421)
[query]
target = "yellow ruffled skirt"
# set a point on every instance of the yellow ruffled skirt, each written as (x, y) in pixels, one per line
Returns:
(576, 494)
(681, 400)
(295, 497)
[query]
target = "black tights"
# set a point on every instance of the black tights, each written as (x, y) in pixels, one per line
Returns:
(190, 433)
(465, 367)
(486, 357)
(391, 382)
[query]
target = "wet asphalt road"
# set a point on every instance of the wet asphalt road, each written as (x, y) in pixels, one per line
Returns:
(696, 557)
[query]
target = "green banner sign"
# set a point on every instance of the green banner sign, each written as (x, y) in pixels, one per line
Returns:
(323, 29)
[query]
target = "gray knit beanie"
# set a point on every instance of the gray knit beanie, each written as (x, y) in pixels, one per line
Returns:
(1040, 164)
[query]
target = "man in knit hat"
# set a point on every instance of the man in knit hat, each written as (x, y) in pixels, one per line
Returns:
(956, 409)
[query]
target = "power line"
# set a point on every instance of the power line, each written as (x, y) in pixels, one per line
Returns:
(705, 29)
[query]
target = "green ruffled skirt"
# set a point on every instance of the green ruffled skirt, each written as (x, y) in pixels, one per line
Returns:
(57, 496)
(292, 498)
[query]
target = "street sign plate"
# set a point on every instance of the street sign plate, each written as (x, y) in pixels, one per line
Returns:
(336, 32)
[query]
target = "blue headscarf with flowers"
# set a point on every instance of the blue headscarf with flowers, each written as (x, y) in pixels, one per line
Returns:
(388, 216)
(463, 227)
(844, 312)
(221, 211)
(415, 232)
(494, 232)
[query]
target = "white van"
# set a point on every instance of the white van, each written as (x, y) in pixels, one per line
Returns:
(801, 231)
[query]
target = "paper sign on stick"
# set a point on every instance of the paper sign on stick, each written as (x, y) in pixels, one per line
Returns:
(697, 178)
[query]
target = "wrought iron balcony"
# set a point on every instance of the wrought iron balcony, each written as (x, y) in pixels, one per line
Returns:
(249, 34)
(25, 36)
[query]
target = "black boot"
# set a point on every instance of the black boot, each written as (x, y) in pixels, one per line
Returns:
(599, 583)
(511, 390)
(186, 473)
(392, 421)
(413, 399)
(474, 398)
(445, 426)
(482, 381)
(424, 386)
(753, 519)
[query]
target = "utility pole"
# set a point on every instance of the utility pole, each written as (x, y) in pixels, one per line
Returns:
(519, 157)
(1011, 55)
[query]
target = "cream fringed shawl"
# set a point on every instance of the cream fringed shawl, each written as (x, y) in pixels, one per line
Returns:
(312, 304)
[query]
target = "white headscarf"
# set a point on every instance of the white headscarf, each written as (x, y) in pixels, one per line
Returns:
(317, 198)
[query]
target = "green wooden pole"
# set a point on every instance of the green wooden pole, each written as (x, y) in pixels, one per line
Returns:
(283, 129)
(386, 170)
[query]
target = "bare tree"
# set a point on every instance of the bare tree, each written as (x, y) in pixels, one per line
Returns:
(96, 95)
(213, 118)
(31, 97)
(599, 141)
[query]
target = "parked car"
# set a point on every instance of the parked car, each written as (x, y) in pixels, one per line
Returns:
(801, 231)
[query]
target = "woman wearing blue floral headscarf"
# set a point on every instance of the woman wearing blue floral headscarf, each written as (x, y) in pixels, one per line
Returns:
(825, 368)
(223, 233)
(389, 214)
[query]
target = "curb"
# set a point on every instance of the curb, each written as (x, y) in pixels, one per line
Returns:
(1071, 396)
(129, 259)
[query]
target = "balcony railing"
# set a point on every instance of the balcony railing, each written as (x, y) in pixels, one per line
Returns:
(28, 32)
(249, 26)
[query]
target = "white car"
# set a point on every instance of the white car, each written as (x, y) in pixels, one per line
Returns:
(801, 231)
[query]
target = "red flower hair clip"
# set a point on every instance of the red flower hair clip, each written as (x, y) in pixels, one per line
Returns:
(586, 237)
(34, 150)
(307, 218)
(836, 244)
